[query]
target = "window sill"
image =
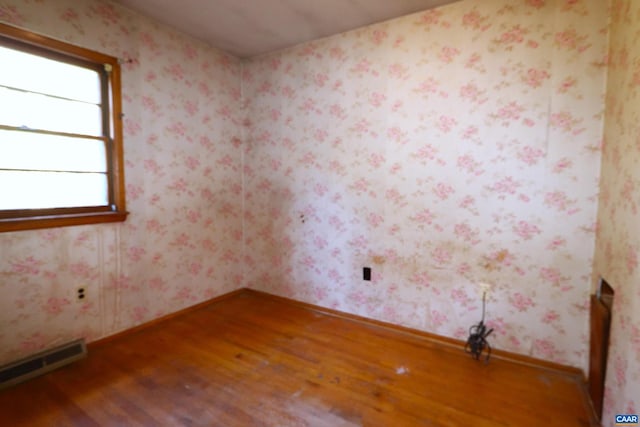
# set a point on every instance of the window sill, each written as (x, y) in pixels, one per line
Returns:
(50, 221)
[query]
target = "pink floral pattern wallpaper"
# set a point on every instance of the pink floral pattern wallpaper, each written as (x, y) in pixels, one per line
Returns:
(618, 236)
(182, 241)
(447, 148)
(444, 149)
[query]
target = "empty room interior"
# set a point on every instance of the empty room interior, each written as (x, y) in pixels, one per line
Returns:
(323, 200)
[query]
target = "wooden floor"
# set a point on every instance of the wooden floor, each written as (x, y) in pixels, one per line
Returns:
(254, 360)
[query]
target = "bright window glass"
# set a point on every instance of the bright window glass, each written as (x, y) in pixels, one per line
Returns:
(34, 111)
(63, 80)
(45, 190)
(61, 151)
(32, 151)
(49, 112)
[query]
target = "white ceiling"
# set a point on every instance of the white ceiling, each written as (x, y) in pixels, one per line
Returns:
(248, 28)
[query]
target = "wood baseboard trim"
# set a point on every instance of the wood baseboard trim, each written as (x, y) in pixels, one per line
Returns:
(438, 339)
(136, 329)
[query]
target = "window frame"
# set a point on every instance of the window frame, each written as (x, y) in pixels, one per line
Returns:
(109, 69)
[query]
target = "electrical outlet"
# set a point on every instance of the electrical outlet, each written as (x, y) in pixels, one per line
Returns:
(366, 274)
(484, 288)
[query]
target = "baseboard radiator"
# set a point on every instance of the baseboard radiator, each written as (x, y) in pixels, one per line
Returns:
(41, 363)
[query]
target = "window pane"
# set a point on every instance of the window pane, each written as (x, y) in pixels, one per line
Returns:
(42, 190)
(24, 109)
(60, 134)
(43, 75)
(35, 151)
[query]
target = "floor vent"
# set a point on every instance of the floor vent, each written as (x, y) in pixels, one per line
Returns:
(41, 363)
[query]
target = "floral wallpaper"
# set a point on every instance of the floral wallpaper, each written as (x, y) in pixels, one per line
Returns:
(618, 237)
(443, 149)
(182, 241)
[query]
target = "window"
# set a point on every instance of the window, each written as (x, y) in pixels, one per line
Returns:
(61, 159)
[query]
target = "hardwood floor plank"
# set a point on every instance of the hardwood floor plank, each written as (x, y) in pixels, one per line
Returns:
(254, 360)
